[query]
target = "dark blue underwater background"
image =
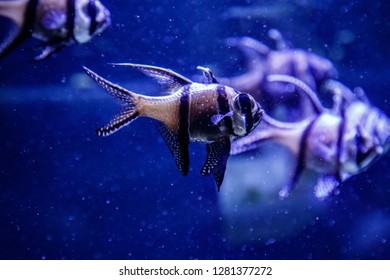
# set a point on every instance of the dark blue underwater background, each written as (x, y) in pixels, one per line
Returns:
(66, 193)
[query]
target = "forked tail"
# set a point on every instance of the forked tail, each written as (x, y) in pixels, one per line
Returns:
(128, 99)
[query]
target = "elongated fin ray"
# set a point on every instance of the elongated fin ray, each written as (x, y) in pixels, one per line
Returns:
(317, 106)
(169, 80)
(177, 150)
(127, 98)
(217, 156)
(116, 91)
(249, 46)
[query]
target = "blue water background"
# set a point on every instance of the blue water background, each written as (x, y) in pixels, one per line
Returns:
(68, 194)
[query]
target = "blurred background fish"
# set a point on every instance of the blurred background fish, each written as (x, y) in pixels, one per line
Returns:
(337, 143)
(57, 23)
(262, 61)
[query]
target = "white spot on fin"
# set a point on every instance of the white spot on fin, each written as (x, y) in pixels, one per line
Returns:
(325, 186)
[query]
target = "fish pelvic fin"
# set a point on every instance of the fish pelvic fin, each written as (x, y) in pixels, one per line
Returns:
(217, 156)
(169, 80)
(128, 99)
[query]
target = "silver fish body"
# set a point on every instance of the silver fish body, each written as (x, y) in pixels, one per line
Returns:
(186, 115)
(337, 143)
(57, 23)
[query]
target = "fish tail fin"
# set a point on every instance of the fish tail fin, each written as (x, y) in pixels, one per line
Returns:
(128, 99)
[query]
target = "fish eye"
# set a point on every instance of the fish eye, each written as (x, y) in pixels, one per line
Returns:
(243, 103)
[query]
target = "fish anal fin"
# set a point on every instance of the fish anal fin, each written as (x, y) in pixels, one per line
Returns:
(169, 136)
(169, 80)
(179, 149)
(217, 156)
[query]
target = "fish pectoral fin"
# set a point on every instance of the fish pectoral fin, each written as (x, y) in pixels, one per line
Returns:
(169, 80)
(217, 156)
(325, 186)
(177, 146)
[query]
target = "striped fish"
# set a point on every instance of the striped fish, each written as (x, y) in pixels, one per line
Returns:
(337, 143)
(57, 23)
(209, 113)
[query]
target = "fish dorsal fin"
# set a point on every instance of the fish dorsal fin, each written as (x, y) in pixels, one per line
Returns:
(217, 156)
(179, 149)
(168, 79)
(210, 79)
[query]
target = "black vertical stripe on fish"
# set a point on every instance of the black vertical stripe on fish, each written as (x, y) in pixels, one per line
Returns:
(301, 157)
(182, 154)
(92, 13)
(70, 17)
(30, 15)
(340, 132)
(246, 111)
(224, 108)
(359, 140)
